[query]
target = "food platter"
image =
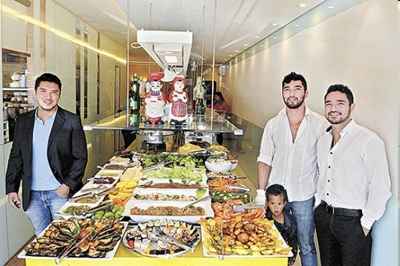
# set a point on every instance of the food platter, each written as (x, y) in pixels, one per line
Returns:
(169, 194)
(147, 205)
(162, 238)
(108, 172)
(188, 177)
(242, 238)
(85, 238)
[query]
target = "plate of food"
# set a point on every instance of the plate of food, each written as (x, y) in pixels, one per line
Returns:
(154, 194)
(176, 175)
(240, 237)
(162, 238)
(109, 172)
(142, 211)
(76, 239)
(220, 165)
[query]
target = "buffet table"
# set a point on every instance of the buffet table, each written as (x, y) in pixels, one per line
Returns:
(125, 257)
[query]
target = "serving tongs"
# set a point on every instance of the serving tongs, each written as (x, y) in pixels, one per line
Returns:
(238, 188)
(196, 201)
(93, 193)
(104, 205)
(70, 248)
(169, 239)
(244, 207)
(157, 166)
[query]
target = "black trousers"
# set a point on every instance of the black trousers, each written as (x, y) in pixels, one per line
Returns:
(341, 239)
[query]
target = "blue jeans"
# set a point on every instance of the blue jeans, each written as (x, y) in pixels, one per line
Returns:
(43, 208)
(304, 214)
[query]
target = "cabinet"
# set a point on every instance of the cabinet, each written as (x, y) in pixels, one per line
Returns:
(17, 97)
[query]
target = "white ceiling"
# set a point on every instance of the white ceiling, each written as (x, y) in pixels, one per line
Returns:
(238, 23)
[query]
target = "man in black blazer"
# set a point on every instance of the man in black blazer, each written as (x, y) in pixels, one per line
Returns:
(48, 155)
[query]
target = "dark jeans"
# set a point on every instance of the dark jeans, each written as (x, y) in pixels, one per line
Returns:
(341, 238)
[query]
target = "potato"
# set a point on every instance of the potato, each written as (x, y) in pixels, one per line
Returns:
(243, 238)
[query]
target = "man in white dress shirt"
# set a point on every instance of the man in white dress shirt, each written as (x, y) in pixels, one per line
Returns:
(288, 156)
(353, 185)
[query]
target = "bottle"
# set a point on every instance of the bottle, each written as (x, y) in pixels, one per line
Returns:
(134, 102)
(199, 107)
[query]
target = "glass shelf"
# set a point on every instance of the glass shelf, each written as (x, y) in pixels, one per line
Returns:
(18, 89)
(205, 123)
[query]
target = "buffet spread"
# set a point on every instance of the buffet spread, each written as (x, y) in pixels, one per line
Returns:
(161, 206)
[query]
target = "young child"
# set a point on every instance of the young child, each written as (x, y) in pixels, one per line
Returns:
(275, 209)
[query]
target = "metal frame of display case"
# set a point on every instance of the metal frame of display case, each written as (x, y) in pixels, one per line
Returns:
(209, 123)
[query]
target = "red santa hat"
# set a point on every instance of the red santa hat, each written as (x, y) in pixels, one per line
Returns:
(156, 76)
(178, 78)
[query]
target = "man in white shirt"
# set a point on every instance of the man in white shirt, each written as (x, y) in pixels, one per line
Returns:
(353, 185)
(288, 156)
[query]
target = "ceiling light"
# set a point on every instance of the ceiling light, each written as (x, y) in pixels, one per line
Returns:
(274, 24)
(302, 5)
(246, 44)
(257, 36)
(237, 51)
(167, 48)
(274, 37)
(297, 25)
(62, 34)
(135, 45)
(331, 7)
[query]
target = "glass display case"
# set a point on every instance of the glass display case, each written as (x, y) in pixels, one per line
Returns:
(156, 56)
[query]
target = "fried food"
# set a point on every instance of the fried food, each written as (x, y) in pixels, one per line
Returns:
(169, 211)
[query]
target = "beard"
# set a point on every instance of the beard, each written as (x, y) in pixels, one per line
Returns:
(294, 104)
(337, 120)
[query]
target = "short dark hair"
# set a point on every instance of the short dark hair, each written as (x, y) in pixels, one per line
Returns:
(276, 190)
(218, 93)
(49, 78)
(293, 76)
(343, 89)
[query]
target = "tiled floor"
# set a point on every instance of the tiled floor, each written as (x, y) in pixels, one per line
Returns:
(16, 262)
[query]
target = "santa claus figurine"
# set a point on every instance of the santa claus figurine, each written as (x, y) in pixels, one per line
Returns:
(154, 99)
(178, 99)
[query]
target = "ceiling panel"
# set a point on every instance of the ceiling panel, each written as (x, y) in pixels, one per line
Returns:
(237, 23)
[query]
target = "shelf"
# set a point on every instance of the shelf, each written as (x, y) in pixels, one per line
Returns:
(206, 124)
(17, 89)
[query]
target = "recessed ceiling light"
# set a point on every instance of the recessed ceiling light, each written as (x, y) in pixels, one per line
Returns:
(135, 45)
(331, 7)
(274, 24)
(257, 36)
(302, 5)
(297, 25)
(274, 37)
(246, 44)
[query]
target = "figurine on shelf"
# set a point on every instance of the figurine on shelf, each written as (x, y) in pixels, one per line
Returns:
(178, 99)
(198, 90)
(198, 97)
(154, 100)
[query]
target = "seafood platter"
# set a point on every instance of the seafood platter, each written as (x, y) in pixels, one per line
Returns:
(162, 238)
(77, 238)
